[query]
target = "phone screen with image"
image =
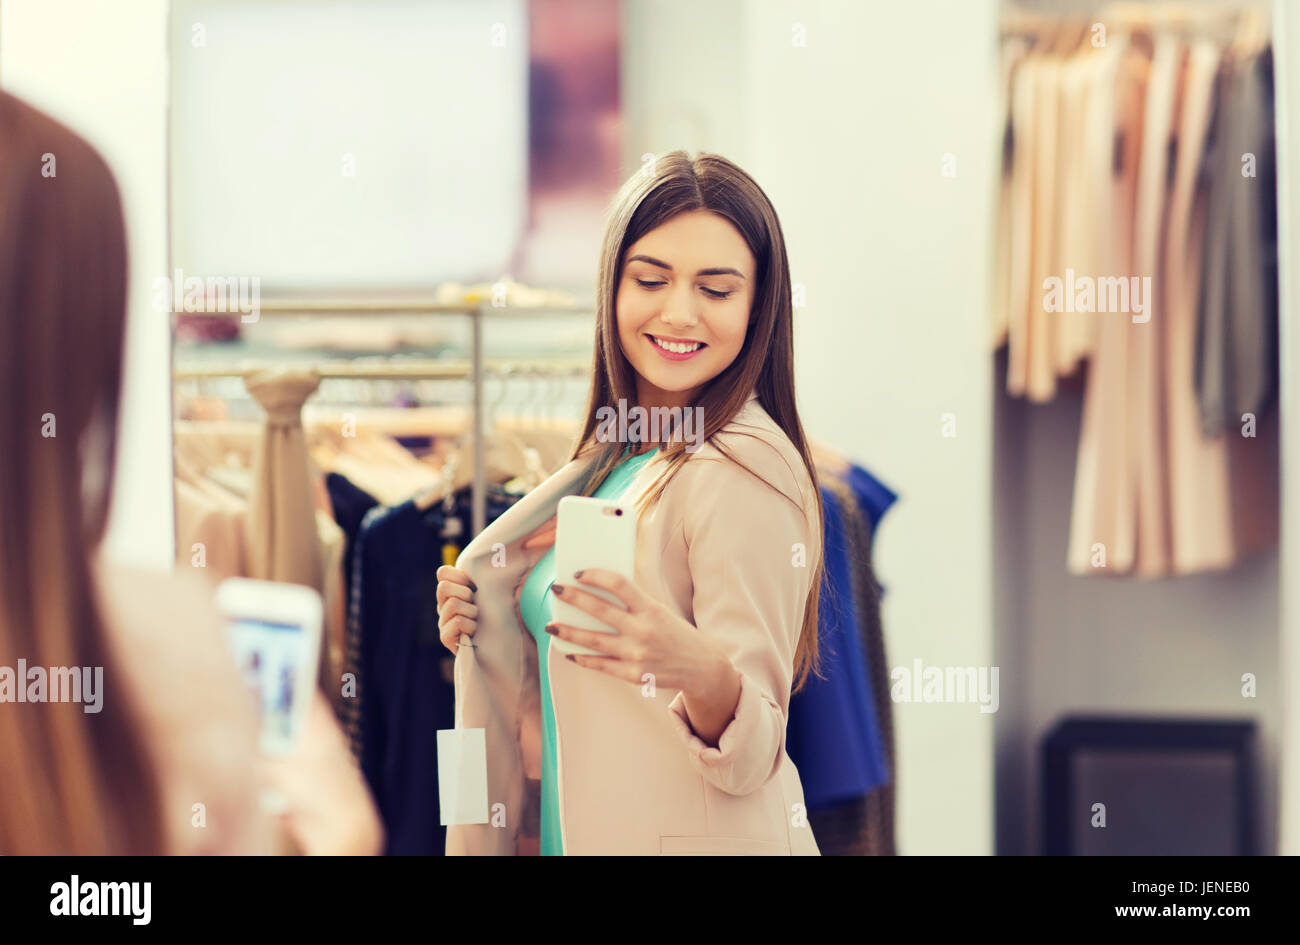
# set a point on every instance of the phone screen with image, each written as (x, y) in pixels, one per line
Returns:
(274, 632)
(270, 657)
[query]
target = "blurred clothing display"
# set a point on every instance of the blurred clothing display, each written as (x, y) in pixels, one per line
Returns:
(364, 504)
(839, 732)
(405, 690)
(1138, 236)
(350, 505)
(833, 735)
(1236, 356)
(282, 517)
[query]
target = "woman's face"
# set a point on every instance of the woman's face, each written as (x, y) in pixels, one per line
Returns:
(683, 305)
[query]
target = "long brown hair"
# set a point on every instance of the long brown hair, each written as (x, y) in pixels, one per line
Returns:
(75, 782)
(651, 197)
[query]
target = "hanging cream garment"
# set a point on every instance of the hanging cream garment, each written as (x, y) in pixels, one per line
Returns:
(1013, 52)
(1040, 383)
(1021, 223)
(1147, 431)
(1096, 143)
(1103, 527)
(1201, 529)
(283, 542)
(211, 524)
(208, 539)
(1076, 215)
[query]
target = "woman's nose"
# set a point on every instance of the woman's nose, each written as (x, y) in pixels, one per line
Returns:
(679, 310)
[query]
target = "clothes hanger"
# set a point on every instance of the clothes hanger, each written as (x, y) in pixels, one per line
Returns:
(1251, 34)
(504, 459)
(512, 449)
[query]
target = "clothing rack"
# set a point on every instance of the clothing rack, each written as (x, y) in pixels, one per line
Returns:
(427, 369)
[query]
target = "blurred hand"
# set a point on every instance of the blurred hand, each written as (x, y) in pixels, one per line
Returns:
(328, 808)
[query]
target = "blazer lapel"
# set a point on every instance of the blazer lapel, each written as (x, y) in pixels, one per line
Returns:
(529, 512)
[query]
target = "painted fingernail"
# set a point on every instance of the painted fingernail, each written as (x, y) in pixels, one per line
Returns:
(577, 575)
(473, 587)
(569, 657)
(558, 588)
(550, 628)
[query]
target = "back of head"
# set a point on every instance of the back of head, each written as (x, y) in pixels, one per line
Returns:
(77, 781)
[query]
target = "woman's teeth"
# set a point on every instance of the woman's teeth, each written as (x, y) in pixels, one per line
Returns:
(677, 347)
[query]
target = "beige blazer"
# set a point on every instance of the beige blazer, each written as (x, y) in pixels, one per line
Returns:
(731, 552)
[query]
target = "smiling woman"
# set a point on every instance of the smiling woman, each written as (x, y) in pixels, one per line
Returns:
(670, 740)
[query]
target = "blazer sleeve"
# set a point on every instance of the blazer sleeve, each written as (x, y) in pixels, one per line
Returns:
(751, 585)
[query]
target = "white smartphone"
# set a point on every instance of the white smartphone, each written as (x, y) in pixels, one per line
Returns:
(591, 533)
(275, 632)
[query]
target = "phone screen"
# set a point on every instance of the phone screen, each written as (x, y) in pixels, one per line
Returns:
(270, 655)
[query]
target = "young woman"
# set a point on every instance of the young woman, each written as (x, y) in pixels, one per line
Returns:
(672, 739)
(165, 760)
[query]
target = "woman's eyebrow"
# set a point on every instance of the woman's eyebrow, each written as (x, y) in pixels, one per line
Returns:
(714, 271)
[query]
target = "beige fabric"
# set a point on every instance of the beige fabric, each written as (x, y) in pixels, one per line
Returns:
(1021, 226)
(283, 542)
(1147, 431)
(209, 514)
(1104, 508)
(1075, 214)
(1040, 347)
(204, 520)
(1201, 530)
(1013, 52)
(716, 549)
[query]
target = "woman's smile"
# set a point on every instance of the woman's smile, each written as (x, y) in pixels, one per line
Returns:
(675, 349)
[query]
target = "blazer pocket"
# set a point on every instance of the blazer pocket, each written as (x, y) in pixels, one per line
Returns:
(720, 846)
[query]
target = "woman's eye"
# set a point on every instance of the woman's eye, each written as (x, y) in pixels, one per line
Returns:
(715, 294)
(645, 284)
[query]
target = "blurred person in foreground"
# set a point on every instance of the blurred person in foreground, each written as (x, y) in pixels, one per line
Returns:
(159, 755)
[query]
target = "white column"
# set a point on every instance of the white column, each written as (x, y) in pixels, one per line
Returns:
(100, 67)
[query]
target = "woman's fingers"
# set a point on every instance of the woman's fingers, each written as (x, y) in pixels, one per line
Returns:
(455, 575)
(598, 607)
(457, 612)
(453, 606)
(626, 591)
(448, 590)
(450, 632)
(609, 645)
(610, 667)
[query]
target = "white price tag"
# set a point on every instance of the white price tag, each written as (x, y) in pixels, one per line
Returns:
(462, 776)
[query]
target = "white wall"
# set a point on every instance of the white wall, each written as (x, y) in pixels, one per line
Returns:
(101, 68)
(319, 147)
(846, 135)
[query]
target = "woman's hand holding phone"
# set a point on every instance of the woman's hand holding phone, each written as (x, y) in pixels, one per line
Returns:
(327, 808)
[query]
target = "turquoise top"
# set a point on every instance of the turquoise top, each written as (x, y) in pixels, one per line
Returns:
(536, 604)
